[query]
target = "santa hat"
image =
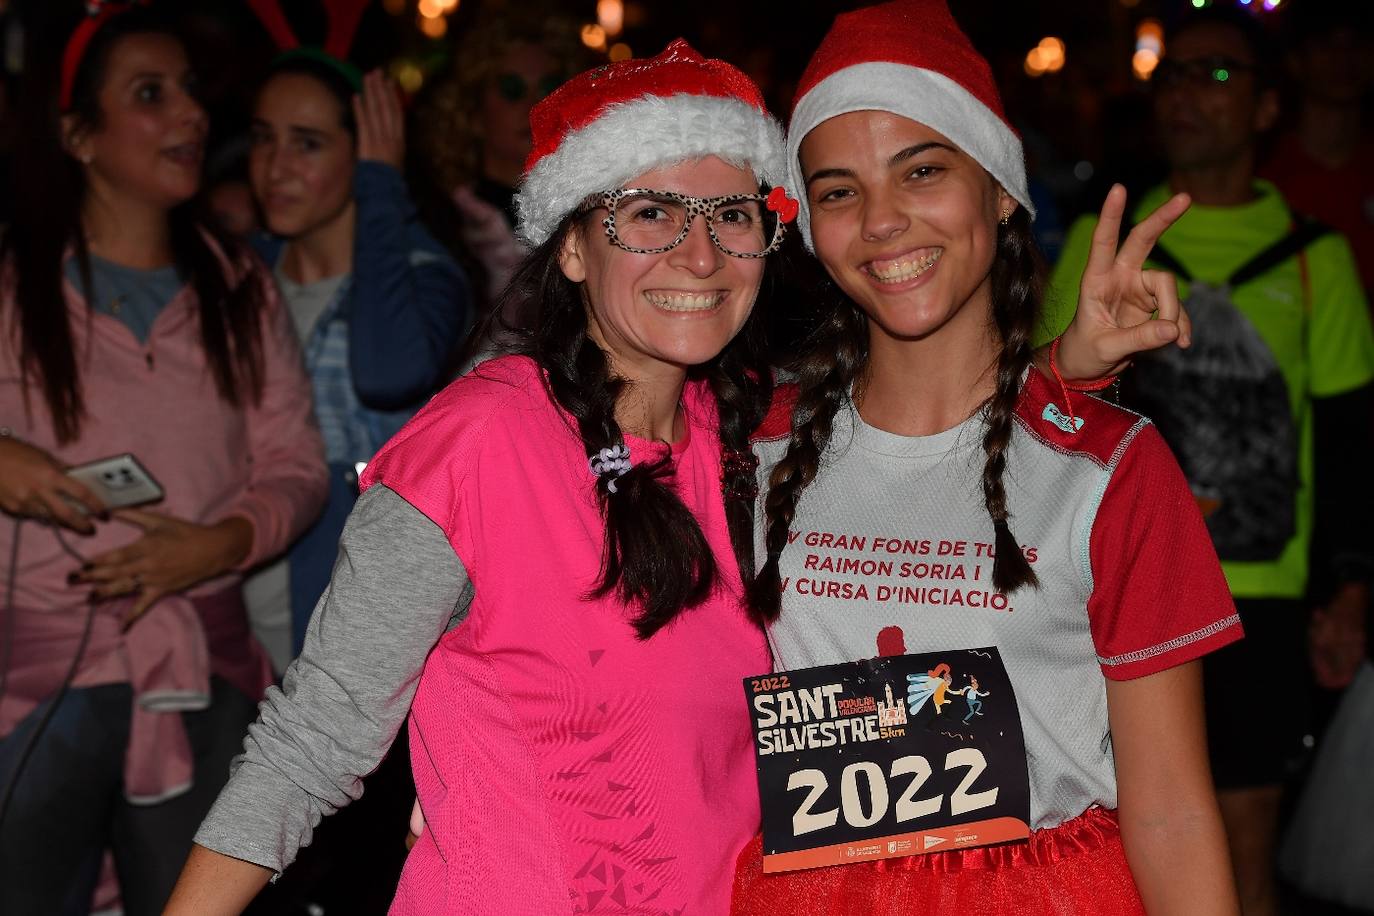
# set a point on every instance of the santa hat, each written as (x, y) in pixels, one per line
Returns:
(909, 58)
(605, 126)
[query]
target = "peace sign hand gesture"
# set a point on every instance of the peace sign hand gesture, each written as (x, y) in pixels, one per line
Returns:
(1123, 308)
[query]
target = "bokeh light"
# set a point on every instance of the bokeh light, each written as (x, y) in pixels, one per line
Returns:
(594, 37)
(408, 76)
(1143, 63)
(610, 15)
(1046, 57)
(433, 27)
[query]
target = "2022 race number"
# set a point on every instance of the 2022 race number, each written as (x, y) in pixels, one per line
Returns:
(908, 807)
(888, 756)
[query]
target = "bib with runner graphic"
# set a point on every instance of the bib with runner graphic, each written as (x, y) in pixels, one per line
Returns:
(892, 756)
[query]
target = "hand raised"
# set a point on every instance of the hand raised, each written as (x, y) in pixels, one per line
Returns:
(381, 122)
(1124, 308)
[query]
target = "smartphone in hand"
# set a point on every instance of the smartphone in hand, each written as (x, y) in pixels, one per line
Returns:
(119, 482)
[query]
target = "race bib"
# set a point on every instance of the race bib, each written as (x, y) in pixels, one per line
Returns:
(884, 757)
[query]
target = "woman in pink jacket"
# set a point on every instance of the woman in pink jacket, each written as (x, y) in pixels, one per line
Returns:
(127, 670)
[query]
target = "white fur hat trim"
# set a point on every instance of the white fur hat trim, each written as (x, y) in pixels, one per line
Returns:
(634, 137)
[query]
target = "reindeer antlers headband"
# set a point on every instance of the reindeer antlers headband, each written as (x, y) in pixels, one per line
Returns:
(344, 16)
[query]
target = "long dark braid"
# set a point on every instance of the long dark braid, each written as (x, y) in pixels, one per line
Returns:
(1016, 281)
(743, 385)
(655, 554)
(833, 359)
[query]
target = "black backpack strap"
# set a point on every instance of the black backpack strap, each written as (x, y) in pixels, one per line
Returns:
(1159, 255)
(1305, 231)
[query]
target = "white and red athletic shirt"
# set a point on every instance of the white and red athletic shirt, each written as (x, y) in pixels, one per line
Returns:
(890, 553)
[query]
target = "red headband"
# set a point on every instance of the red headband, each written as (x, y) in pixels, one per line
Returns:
(97, 14)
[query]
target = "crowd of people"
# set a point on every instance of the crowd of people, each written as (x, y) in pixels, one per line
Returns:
(521, 499)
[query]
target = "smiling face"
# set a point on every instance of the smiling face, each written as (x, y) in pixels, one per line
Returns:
(302, 158)
(150, 140)
(671, 310)
(903, 221)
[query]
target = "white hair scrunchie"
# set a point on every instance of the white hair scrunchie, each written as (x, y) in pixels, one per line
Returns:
(613, 462)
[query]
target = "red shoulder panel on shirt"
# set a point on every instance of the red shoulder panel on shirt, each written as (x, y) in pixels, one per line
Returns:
(777, 423)
(1096, 428)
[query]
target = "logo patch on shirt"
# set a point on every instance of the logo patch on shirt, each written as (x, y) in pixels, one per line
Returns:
(1060, 419)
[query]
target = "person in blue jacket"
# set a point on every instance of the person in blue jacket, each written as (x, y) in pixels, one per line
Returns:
(379, 304)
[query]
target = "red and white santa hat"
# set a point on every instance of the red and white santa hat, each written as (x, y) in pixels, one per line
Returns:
(605, 126)
(909, 58)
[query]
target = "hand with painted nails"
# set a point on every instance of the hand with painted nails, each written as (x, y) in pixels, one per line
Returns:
(33, 484)
(170, 557)
(1123, 307)
(381, 122)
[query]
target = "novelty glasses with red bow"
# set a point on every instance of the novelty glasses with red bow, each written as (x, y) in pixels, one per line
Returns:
(642, 221)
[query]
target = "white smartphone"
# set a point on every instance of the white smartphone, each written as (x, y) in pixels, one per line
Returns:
(119, 481)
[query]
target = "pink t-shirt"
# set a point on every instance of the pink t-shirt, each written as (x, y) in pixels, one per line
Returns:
(563, 765)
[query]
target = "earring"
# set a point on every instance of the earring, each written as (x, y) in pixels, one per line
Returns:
(86, 159)
(1006, 218)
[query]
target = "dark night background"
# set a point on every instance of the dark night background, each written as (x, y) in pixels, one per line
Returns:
(1085, 125)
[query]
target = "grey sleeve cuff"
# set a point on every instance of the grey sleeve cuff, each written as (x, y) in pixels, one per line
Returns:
(397, 585)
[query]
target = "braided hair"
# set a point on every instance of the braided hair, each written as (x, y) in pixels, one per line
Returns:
(655, 556)
(833, 359)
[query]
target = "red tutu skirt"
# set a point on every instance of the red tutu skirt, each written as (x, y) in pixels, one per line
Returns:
(1078, 867)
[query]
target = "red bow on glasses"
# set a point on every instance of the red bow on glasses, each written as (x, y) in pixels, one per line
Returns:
(785, 207)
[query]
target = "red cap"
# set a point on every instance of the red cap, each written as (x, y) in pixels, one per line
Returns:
(678, 70)
(917, 33)
(908, 58)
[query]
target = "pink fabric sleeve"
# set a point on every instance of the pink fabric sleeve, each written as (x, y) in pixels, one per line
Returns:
(1159, 597)
(287, 476)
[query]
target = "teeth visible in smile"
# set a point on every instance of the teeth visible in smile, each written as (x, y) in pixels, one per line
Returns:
(685, 302)
(901, 271)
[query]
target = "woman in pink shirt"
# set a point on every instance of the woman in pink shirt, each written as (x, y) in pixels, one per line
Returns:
(127, 670)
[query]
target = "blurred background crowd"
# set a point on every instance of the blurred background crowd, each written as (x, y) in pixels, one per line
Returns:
(376, 182)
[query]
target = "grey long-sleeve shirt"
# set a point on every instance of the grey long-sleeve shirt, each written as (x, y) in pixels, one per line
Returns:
(397, 585)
